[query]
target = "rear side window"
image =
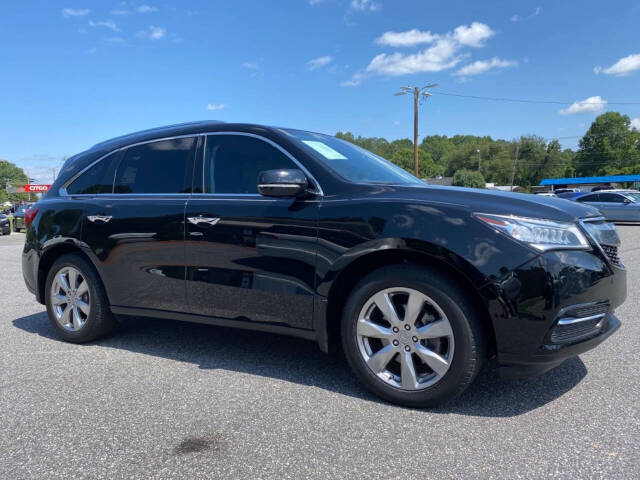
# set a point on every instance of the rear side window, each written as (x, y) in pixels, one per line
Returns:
(233, 162)
(98, 179)
(610, 197)
(589, 198)
(156, 167)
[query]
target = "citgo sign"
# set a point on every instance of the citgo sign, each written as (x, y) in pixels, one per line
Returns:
(36, 188)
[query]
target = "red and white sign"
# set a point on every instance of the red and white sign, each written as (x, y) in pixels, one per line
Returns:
(33, 188)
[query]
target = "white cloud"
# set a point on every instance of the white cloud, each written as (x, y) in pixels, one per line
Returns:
(153, 33)
(589, 105)
(114, 40)
(635, 123)
(251, 65)
(473, 35)
(319, 62)
(72, 12)
(515, 18)
(215, 106)
(406, 39)
(362, 5)
(444, 53)
(622, 67)
(440, 56)
(107, 24)
(483, 66)
(146, 9)
(315, 2)
(139, 9)
(536, 12)
(354, 81)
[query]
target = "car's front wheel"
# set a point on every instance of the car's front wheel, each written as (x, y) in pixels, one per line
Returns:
(76, 300)
(412, 336)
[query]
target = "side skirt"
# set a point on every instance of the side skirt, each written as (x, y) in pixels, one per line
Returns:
(220, 322)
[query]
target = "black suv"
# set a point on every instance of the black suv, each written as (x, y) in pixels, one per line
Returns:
(303, 234)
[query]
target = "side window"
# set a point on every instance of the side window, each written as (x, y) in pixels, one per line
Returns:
(589, 198)
(610, 197)
(232, 163)
(156, 167)
(98, 179)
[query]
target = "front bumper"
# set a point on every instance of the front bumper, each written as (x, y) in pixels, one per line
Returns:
(514, 366)
(527, 305)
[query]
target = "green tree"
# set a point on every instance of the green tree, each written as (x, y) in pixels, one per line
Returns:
(11, 174)
(468, 178)
(609, 147)
(403, 157)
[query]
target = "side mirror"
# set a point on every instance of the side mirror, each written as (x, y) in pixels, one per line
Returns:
(627, 201)
(282, 183)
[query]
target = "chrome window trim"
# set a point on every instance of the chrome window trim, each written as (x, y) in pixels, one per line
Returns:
(62, 191)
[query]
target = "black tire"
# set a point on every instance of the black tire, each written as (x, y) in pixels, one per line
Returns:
(100, 320)
(468, 333)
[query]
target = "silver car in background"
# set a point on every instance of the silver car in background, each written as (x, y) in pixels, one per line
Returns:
(615, 205)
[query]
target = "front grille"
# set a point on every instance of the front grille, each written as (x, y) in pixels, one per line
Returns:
(579, 323)
(611, 252)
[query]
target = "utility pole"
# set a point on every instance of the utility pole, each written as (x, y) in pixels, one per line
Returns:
(515, 163)
(478, 150)
(418, 92)
(53, 171)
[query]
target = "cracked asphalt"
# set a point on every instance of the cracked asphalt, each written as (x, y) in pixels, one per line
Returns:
(162, 399)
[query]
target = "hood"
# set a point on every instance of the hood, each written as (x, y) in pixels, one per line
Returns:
(494, 201)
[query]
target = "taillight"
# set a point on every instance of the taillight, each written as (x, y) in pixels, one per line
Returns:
(29, 215)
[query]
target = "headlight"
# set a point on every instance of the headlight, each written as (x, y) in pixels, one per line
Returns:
(538, 233)
(604, 233)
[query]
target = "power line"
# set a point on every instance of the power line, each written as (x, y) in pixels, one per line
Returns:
(522, 100)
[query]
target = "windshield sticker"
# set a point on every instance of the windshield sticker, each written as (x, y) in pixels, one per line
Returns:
(325, 150)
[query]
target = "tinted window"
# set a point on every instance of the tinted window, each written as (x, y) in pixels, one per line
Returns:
(157, 167)
(233, 162)
(610, 197)
(350, 161)
(98, 179)
(589, 198)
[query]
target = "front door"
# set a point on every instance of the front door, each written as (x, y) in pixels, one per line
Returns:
(136, 232)
(249, 257)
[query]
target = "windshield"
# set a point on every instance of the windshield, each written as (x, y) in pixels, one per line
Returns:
(351, 162)
(633, 196)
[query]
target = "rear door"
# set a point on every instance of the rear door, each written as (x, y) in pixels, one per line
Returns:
(613, 205)
(249, 258)
(137, 231)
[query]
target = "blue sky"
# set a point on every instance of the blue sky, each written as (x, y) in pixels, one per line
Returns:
(73, 73)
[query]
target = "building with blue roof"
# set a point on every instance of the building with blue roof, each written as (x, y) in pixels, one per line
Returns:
(577, 181)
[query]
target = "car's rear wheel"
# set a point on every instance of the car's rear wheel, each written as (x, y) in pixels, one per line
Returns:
(412, 336)
(76, 300)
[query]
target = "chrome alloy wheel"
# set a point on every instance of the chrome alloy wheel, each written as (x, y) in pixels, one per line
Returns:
(70, 300)
(405, 338)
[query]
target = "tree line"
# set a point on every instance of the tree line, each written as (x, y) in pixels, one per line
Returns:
(609, 147)
(11, 174)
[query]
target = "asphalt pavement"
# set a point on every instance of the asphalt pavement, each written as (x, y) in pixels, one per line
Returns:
(163, 399)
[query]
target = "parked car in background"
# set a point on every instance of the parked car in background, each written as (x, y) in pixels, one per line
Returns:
(602, 187)
(570, 195)
(615, 205)
(566, 190)
(18, 218)
(5, 225)
(301, 233)
(547, 194)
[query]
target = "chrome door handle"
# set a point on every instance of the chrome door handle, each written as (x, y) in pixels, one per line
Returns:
(99, 218)
(211, 221)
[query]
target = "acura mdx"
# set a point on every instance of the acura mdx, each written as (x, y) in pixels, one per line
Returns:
(303, 234)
